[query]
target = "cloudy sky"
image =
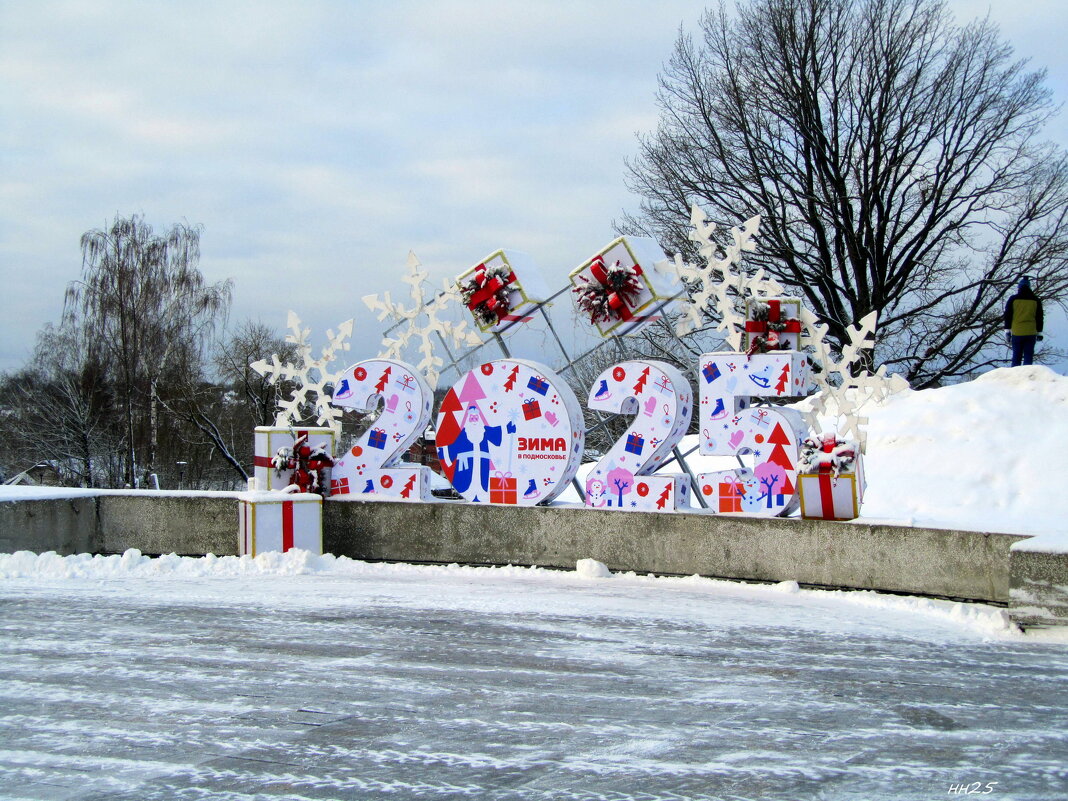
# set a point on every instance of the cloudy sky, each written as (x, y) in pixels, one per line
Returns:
(319, 142)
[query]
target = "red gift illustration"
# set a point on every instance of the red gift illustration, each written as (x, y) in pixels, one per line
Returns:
(731, 493)
(531, 409)
(503, 488)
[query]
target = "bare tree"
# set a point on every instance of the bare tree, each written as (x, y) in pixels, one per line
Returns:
(60, 410)
(251, 341)
(142, 297)
(223, 412)
(894, 157)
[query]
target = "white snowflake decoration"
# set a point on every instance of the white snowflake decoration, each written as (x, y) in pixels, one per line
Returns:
(430, 330)
(312, 377)
(723, 284)
(845, 401)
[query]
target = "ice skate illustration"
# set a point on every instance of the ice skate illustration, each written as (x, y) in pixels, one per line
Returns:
(602, 391)
(761, 379)
(532, 490)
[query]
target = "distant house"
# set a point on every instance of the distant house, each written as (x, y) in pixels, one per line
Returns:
(42, 474)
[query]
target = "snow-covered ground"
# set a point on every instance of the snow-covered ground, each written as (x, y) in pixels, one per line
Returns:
(302, 677)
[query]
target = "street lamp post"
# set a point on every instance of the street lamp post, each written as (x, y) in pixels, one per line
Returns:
(181, 472)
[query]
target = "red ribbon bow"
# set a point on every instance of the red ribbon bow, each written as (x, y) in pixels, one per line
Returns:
(487, 291)
(616, 302)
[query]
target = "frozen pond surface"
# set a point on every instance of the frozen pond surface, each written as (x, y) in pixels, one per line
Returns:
(397, 682)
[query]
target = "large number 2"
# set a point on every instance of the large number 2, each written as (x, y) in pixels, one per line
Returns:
(371, 469)
(661, 401)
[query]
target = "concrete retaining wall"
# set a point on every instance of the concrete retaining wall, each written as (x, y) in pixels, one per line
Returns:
(956, 564)
(66, 525)
(155, 524)
(1038, 588)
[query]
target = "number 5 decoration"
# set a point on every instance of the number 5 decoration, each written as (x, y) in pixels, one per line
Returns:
(371, 469)
(661, 401)
(729, 427)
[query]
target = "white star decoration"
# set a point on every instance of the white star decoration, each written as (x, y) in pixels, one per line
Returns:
(457, 333)
(312, 377)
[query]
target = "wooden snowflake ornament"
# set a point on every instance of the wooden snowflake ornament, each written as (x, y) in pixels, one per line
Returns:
(311, 378)
(422, 321)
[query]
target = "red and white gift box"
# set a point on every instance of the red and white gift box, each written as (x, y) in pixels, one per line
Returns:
(656, 273)
(526, 288)
(503, 488)
(269, 439)
(827, 496)
(279, 521)
(783, 313)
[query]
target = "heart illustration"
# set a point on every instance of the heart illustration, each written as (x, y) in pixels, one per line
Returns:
(736, 439)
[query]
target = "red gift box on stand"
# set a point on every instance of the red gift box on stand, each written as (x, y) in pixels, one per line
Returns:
(502, 290)
(503, 488)
(781, 329)
(269, 439)
(832, 486)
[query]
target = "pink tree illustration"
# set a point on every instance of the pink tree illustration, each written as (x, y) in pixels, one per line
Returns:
(771, 476)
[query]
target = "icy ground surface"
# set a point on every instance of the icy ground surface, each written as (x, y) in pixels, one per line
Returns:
(301, 677)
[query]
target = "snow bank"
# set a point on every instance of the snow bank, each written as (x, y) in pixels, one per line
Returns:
(150, 575)
(592, 569)
(987, 455)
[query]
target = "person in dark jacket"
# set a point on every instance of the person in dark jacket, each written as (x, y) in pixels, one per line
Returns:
(1023, 321)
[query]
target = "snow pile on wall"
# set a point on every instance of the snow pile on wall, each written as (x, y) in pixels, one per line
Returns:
(988, 455)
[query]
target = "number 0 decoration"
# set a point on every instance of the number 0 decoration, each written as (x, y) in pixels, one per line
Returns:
(371, 469)
(510, 432)
(660, 399)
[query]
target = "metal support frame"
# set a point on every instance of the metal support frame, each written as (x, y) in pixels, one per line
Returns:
(569, 362)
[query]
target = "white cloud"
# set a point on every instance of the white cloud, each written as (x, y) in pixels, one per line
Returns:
(319, 141)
